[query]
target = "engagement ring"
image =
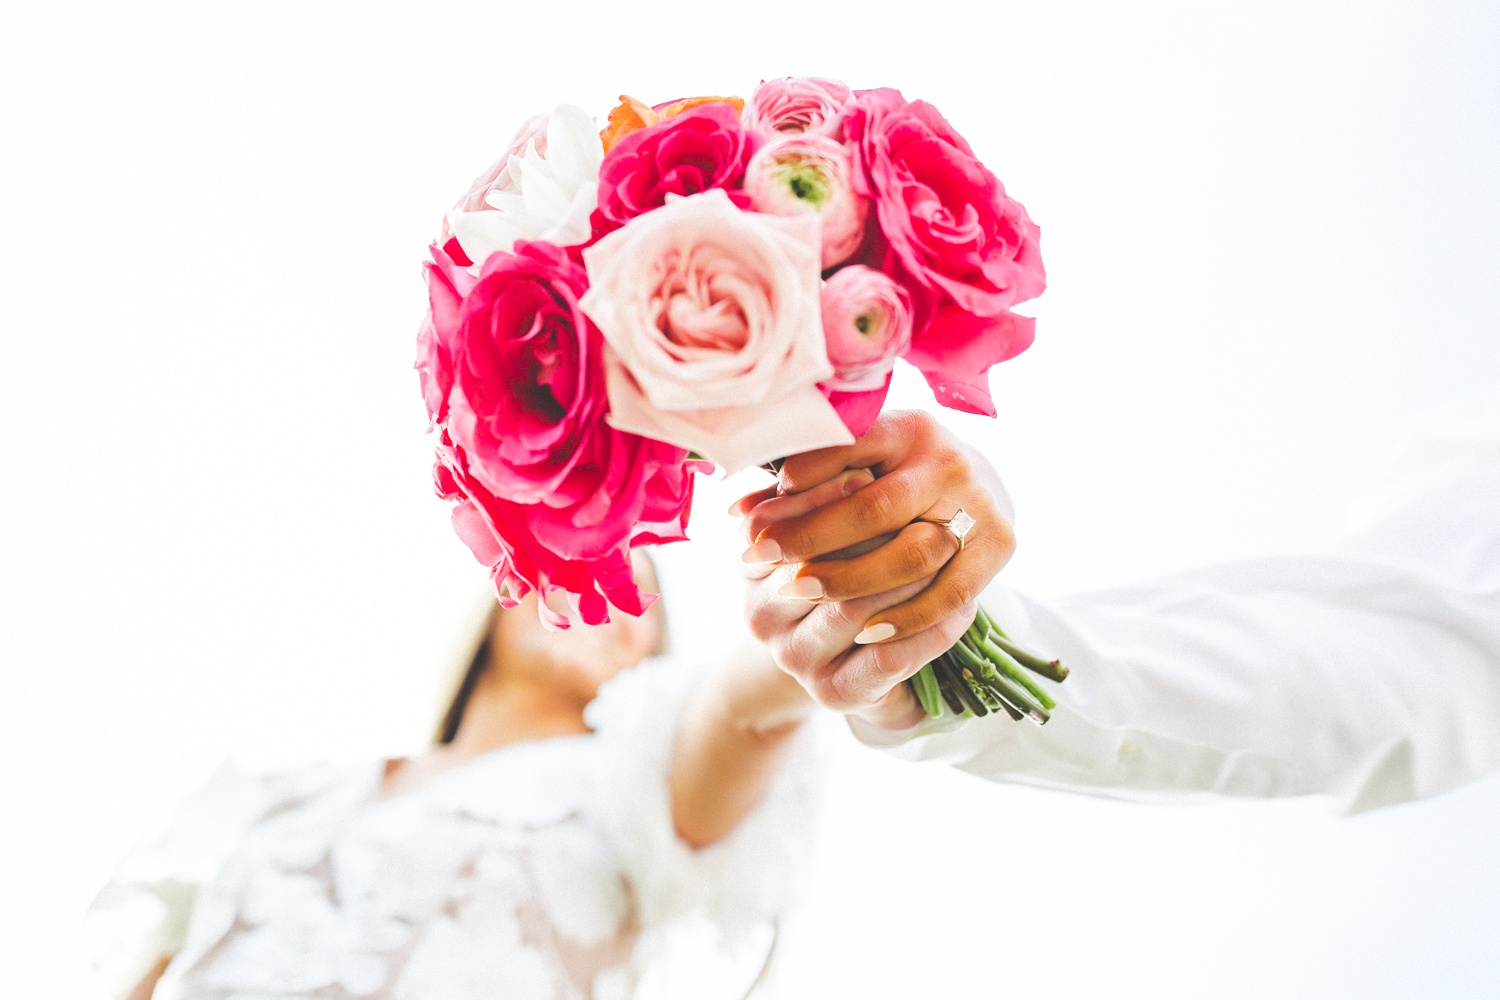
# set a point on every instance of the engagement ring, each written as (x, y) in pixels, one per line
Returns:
(960, 524)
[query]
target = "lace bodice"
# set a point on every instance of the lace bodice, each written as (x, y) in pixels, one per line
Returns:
(540, 870)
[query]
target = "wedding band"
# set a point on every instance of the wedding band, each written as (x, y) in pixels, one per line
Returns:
(960, 524)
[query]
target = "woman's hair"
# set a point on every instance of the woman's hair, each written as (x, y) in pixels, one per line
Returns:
(478, 662)
(481, 656)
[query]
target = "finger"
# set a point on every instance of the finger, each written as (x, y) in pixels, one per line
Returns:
(769, 615)
(827, 629)
(865, 675)
(917, 552)
(748, 502)
(761, 570)
(898, 710)
(881, 448)
(797, 505)
(885, 506)
(959, 582)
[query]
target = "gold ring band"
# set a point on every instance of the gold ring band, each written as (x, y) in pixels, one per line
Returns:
(960, 524)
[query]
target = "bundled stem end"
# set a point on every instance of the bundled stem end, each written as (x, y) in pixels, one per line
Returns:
(986, 672)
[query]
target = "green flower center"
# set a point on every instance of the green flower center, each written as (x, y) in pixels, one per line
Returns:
(806, 181)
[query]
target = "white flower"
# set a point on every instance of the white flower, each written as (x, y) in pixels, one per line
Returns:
(545, 188)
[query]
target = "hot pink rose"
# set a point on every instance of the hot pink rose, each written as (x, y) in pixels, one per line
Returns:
(793, 105)
(810, 173)
(711, 314)
(949, 222)
(550, 496)
(699, 150)
(955, 350)
(968, 252)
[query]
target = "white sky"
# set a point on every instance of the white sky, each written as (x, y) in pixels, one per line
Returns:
(1272, 234)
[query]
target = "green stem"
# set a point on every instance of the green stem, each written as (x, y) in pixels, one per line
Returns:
(1008, 666)
(1021, 700)
(946, 687)
(925, 686)
(970, 699)
(1011, 710)
(1051, 669)
(988, 673)
(967, 656)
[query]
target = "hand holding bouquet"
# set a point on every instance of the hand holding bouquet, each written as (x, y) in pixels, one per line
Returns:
(710, 282)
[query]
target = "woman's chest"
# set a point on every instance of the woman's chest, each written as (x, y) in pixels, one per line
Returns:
(492, 882)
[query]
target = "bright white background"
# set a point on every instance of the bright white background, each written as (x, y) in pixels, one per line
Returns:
(1272, 232)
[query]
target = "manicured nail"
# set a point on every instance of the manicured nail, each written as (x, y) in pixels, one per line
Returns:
(876, 633)
(734, 508)
(764, 551)
(804, 588)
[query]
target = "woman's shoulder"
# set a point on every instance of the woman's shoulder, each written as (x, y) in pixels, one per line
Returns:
(657, 687)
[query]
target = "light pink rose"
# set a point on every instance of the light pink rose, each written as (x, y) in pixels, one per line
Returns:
(867, 325)
(793, 105)
(811, 173)
(712, 318)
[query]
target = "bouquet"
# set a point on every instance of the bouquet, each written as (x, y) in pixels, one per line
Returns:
(710, 282)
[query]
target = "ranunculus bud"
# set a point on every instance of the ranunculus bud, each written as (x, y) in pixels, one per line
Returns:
(797, 105)
(810, 173)
(867, 321)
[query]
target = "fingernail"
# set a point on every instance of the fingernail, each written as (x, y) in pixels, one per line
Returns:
(876, 633)
(764, 551)
(857, 481)
(734, 508)
(804, 588)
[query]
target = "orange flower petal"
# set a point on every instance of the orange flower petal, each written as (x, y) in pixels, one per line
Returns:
(678, 107)
(628, 116)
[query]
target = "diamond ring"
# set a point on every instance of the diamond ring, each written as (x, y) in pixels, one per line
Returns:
(960, 524)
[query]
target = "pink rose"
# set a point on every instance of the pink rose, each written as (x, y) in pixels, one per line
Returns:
(867, 325)
(810, 173)
(550, 496)
(967, 250)
(955, 350)
(867, 322)
(795, 105)
(947, 218)
(711, 315)
(699, 150)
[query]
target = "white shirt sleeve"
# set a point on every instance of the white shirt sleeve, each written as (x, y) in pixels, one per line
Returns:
(1370, 674)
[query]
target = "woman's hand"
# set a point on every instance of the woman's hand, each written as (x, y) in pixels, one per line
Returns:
(920, 471)
(825, 641)
(814, 642)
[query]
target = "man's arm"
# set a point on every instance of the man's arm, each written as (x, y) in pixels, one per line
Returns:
(1370, 674)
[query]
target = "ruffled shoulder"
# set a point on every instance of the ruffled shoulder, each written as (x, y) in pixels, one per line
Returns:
(739, 883)
(141, 915)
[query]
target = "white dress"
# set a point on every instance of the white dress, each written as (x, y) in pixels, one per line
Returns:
(547, 869)
(1368, 674)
